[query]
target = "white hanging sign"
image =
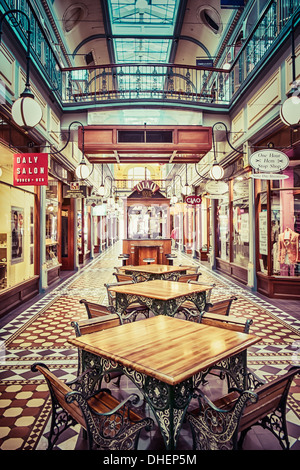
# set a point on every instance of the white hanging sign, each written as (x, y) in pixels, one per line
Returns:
(269, 160)
(216, 187)
(269, 176)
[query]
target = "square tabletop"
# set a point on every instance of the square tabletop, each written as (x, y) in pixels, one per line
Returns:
(154, 268)
(168, 349)
(161, 289)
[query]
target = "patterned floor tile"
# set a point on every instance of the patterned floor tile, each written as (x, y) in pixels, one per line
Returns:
(41, 333)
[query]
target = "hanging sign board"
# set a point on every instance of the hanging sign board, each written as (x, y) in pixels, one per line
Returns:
(269, 176)
(74, 191)
(216, 187)
(193, 200)
(30, 169)
(93, 201)
(269, 161)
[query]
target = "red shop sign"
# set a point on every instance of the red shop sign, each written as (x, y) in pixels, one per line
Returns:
(31, 169)
(193, 200)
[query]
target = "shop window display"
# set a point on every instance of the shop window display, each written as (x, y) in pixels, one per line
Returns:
(16, 236)
(51, 223)
(284, 239)
(240, 205)
(223, 230)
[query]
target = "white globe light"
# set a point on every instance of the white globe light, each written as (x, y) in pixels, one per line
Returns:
(101, 190)
(186, 190)
(290, 111)
(82, 171)
(216, 172)
(26, 112)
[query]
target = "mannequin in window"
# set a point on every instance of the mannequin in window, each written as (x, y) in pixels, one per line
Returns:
(288, 254)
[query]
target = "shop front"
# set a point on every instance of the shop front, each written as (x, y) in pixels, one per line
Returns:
(233, 229)
(278, 234)
(147, 227)
(19, 276)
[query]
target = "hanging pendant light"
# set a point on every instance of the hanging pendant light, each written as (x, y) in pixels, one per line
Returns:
(82, 172)
(216, 172)
(26, 112)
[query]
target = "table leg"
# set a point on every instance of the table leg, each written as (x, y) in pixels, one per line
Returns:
(161, 307)
(167, 402)
(235, 369)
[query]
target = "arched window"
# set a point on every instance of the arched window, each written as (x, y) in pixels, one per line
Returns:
(137, 174)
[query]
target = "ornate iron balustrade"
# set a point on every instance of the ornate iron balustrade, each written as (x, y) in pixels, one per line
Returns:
(189, 85)
(144, 82)
(43, 53)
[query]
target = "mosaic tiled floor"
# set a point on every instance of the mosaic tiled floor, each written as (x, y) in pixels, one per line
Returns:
(41, 333)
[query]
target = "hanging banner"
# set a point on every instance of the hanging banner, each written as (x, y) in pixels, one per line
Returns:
(269, 160)
(30, 169)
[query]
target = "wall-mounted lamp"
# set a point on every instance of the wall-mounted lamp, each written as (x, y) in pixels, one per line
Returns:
(186, 190)
(101, 189)
(82, 171)
(217, 172)
(290, 109)
(26, 112)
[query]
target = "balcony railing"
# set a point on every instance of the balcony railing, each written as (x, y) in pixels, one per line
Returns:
(188, 85)
(144, 82)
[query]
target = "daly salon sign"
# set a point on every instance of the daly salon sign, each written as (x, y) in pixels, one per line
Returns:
(269, 161)
(30, 169)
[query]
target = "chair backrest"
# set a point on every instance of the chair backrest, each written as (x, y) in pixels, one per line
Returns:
(189, 277)
(123, 277)
(95, 310)
(111, 295)
(221, 307)
(229, 322)
(270, 396)
(84, 327)
(58, 390)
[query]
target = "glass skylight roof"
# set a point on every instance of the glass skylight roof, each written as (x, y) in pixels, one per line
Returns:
(142, 50)
(147, 19)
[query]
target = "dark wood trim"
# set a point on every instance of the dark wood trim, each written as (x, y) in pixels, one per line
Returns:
(233, 270)
(279, 287)
(13, 297)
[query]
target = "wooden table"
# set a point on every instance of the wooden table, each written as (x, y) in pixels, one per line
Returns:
(156, 271)
(160, 296)
(166, 358)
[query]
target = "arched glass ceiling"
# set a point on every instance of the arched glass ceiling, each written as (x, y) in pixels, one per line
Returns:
(143, 24)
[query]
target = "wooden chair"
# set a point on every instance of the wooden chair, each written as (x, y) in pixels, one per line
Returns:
(133, 310)
(95, 310)
(230, 322)
(191, 269)
(189, 277)
(85, 327)
(221, 307)
(109, 423)
(137, 277)
(215, 425)
(121, 277)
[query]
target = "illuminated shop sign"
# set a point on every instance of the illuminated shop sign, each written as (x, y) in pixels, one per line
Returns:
(30, 169)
